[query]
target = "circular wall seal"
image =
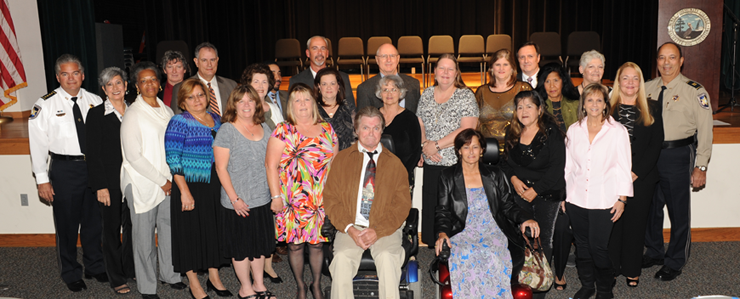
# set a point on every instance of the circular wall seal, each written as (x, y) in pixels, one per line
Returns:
(689, 27)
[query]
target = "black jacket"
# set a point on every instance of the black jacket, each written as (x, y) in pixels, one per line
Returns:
(646, 145)
(452, 205)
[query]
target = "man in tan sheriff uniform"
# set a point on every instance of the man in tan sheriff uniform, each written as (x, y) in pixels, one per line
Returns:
(687, 122)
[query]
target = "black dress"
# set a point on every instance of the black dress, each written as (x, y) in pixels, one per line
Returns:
(406, 134)
(342, 123)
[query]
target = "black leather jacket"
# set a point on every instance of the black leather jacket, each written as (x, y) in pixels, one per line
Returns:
(452, 204)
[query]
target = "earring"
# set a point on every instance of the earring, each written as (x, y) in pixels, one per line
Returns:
(160, 88)
(137, 91)
(126, 91)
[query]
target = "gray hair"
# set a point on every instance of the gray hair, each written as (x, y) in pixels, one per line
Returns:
(174, 56)
(587, 56)
(67, 58)
(205, 45)
(396, 80)
(308, 43)
(141, 66)
(109, 73)
(369, 111)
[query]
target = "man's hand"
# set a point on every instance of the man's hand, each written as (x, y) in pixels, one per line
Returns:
(368, 236)
(104, 197)
(46, 192)
(355, 235)
(698, 178)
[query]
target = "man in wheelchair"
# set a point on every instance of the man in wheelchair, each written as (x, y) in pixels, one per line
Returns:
(367, 199)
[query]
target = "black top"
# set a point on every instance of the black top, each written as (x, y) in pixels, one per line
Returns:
(540, 165)
(342, 122)
(558, 114)
(104, 157)
(406, 134)
(627, 117)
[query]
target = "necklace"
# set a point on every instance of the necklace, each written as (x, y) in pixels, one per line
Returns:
(333, 107)
(200, 119)
(245, 127)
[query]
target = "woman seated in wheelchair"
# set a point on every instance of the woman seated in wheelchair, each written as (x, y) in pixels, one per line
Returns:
(476, 217)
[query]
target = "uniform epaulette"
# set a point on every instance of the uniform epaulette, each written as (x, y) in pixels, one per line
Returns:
(694, 84)
(48, 95)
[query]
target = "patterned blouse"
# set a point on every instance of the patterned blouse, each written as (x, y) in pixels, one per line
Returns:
(189, 147)
(442, 119)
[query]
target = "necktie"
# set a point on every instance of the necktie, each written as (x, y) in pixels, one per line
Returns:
(368, 187)
(79, 124)
(660, 97)
(213, 101)
(529, 80)
(272, 98)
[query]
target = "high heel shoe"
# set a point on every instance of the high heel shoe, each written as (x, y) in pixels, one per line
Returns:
(193, 296)
(220, 293)
(635, 281)
(272, 279)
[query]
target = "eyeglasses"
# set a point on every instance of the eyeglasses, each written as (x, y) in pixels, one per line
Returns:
(386, 90)
(384, 56)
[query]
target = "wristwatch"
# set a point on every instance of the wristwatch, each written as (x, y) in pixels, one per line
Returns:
(702, 168)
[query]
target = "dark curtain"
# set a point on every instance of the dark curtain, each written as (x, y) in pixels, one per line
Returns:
(69, 27)
(245, 31)
(727, 40)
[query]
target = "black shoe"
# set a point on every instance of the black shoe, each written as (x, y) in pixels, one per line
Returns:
(102, 277)
(584, 293)
(193, 296)
(667, 274)
(220, 293)
(176, 286)
(272, 279)
(149, 296)
(77, 286)
(648, 262)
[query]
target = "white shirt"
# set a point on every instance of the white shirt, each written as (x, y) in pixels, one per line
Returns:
(534, 78)
(359, 218)
(214, 85)
(110, 109)
(51, 128)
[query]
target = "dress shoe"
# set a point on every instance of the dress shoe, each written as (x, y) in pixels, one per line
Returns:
(149, 296)
(272, 279)
(77, 286)
(584, 293)
(176, 286)
(220, 293)
(193, 296)
(102, 277)
(648, 262)
(667, 274)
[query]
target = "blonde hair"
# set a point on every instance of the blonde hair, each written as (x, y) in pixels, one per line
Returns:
(295, 90)
(641, 103)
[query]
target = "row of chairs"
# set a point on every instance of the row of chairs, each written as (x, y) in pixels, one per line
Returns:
(471, 49)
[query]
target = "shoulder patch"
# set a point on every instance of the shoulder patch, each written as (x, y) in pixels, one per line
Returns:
(35, 111)
(703, 100)
(48, 95)
(694, 84)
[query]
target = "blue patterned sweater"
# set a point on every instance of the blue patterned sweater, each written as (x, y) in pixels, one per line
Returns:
(189, 147)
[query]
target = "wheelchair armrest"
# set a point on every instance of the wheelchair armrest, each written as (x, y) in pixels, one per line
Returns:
(411, 234)
(328, 230)
(412, 222)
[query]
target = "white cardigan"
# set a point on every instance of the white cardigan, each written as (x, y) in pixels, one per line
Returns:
(145, 167)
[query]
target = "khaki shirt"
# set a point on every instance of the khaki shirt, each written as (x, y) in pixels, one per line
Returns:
(686, 110)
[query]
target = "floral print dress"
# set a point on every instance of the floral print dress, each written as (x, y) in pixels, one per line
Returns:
(304, 166)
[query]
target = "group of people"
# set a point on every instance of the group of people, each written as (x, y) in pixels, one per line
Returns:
(224, 170)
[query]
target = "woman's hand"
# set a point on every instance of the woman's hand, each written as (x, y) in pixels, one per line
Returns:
(188, 203)
(277, 204)
(533, 227)
(562, 205)
(104, 197)
(240, 207)
(634, 176)
(430, 151)
(421, 162)
(618, 209)
(518, 185)
(529, 194)
(442, 239)
(167, 188)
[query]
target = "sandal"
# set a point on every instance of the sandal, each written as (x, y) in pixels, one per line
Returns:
(560, 287)
(632, 283)
(122, 289)
(266, 295)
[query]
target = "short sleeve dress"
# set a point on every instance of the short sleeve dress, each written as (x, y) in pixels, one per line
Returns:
(304, 166)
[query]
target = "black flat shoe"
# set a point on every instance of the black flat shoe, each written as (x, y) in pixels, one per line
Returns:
(220, 293)
(176, 286)
(77, 286)
(584, 293)
(101, 277)
(149, 296)
(630, 282)
(272, 279)
(667, 274)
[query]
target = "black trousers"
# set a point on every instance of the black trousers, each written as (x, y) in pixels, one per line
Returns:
(561, 242)
(75, 208)
(674, 168)
(117, 249)
(429, 202)
(591, 229)
(628, 234)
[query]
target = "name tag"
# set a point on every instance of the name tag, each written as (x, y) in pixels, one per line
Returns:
(60, 113)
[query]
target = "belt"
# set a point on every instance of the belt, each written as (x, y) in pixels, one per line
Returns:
(67, 157)
(678, 143)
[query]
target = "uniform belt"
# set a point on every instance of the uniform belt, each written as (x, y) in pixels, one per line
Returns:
(678, 143)
(67, 157)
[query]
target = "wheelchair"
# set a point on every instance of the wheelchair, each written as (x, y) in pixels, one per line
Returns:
(365, 283)
(439, 270)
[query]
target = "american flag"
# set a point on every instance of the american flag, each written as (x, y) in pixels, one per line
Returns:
(12, 74)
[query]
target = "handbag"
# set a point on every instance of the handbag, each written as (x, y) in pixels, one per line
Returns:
(536, 272)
